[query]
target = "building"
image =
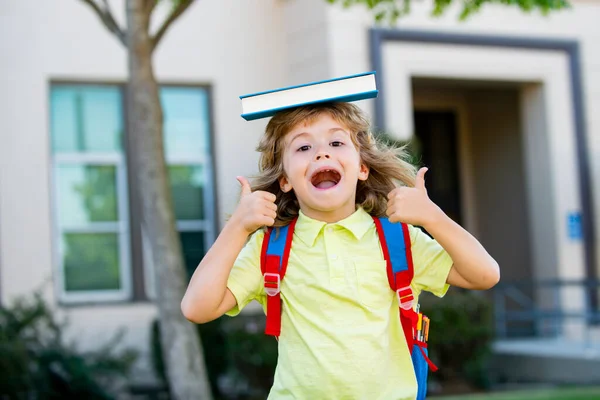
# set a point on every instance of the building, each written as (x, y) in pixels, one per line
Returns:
(512, 100)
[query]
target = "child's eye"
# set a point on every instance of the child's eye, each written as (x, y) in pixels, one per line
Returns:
(304, 148)
(337, 143)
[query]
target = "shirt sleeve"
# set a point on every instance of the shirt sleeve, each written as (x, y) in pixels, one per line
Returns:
(245, 278)
(431, 263)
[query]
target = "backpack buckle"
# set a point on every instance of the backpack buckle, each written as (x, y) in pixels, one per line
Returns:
(405, 297)
(272, 283)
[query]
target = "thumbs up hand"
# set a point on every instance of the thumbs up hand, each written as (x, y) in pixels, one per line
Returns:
(412, 205)
(256, 209)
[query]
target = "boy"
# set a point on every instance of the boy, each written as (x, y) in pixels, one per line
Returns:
(340, 332)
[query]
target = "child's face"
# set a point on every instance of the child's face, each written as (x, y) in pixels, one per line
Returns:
(322, 166)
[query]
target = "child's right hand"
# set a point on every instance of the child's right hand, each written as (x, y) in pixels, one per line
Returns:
(256, 209)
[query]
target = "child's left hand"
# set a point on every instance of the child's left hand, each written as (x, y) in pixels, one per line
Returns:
(411, 205)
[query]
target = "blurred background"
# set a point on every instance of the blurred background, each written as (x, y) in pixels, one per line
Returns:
(500, 101)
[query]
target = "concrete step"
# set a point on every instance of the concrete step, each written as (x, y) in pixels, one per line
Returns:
(556, 361)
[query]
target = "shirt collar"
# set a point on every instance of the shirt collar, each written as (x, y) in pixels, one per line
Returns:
(308, 229)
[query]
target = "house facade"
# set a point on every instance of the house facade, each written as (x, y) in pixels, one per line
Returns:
(504, 108)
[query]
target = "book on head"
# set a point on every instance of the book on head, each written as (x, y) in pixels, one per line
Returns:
(344, 89)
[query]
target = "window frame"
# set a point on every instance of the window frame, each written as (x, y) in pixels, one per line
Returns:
(121, 227)
(135, 272)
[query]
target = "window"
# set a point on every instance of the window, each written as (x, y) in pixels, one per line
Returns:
(188, 156)
(90, 193)
(93, 252)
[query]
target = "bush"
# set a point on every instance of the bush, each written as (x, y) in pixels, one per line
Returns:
(252, 357)
(460, 336)
(240, 358)
(36, 363)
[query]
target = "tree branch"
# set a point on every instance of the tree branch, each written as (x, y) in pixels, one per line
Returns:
(107, 19)
(150, 4)
(107, 9)
(181, 6)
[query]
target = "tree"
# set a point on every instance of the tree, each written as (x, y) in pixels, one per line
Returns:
(394, 9)
(182, 353)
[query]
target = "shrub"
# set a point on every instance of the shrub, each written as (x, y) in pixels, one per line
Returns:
(252, 357)
(239, 357)
(460, 336)
(36, 363)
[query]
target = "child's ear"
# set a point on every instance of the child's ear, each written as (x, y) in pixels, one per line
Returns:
(284, 184)
(363, 172)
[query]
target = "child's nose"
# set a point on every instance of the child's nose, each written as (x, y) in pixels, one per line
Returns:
(321, 155)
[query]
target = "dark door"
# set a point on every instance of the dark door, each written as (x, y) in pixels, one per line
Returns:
(436, 147)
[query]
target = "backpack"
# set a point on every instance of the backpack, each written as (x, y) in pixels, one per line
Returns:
(274, 258)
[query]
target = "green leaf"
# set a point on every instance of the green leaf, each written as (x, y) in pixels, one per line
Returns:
(394, 9)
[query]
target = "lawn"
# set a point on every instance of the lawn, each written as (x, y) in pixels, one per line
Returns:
(589, 393)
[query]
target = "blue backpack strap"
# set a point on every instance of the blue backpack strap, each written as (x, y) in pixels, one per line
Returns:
(275, 253)
(400, 269)
(400, 272)
(400, 257)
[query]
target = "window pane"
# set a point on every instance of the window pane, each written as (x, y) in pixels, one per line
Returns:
(86, 119)
(91, 261)
(187, 185)
(186, 121)
(86, 194)
(193, 250)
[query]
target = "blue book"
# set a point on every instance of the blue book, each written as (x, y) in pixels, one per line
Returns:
(344, 89)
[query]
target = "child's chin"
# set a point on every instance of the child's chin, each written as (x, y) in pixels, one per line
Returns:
(327, 199)
(328, 205)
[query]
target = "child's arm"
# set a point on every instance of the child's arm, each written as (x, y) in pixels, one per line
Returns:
(473, 267)
(207, 296)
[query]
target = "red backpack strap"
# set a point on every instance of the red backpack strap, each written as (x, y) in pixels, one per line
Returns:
(275, 253)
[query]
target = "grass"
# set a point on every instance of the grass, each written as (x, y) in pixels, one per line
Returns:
(588, 393)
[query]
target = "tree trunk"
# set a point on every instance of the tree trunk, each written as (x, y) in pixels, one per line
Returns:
(182, 352)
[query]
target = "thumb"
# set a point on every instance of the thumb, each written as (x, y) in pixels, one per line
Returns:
(420, 181)
(246, 190)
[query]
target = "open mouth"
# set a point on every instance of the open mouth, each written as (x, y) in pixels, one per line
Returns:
(325, 178)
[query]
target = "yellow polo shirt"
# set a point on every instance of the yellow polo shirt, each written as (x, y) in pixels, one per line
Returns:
(341, 336)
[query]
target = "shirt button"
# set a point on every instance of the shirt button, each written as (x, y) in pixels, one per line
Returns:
(330, 229)
(334, 256)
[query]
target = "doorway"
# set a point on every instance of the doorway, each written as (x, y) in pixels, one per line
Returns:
(470, 136)
(436, 143)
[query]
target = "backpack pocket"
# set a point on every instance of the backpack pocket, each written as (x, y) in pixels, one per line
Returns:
(421, 368)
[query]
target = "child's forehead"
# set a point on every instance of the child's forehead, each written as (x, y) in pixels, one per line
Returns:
(319, 124)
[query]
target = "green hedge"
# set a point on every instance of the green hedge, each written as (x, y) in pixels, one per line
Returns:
(36, 363)
(460, 336)
(240, 358)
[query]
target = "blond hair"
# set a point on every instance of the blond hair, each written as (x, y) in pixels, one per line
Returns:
(388, 166)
